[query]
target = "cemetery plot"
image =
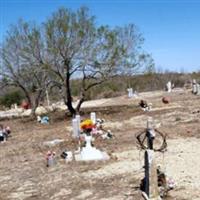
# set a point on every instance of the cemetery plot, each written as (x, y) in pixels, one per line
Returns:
(23, 170)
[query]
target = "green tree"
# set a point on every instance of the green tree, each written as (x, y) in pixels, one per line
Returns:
(76, 47)
(68, 45)
(147, 64)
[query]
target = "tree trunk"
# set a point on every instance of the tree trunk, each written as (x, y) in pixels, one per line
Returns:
(36, 103)
(68, 100)
(26, 95)
(82, 99)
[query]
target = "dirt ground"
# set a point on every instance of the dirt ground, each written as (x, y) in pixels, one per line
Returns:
(23, 171)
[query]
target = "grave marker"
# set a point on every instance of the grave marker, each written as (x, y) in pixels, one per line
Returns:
(93, 117)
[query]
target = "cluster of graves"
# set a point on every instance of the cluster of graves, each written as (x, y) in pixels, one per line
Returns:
(155, 184)
(85, 132)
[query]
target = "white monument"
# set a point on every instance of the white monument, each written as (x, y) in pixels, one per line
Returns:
(130, 92)
(15, 106)
(78, 117)
(198, 89)
(75, 128)
(194, 86)
(93, 117)
(89, 152)
(169, 86)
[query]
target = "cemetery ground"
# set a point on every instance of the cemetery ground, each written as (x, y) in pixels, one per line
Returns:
(23, 171)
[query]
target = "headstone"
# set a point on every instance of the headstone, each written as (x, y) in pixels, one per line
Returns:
(151, 178)
(89, 153)
(93, 117)
(198, 89)
(75, 128)
(194, 86)
(169, 86)
(150, 187)
(78, 117)
(130, 92)
(15, 106)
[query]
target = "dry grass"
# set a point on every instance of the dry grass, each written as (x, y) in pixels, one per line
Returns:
(24, 175)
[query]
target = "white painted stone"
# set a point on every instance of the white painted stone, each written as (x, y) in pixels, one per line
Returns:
(169, 86)
(130, 92)
(15, 106)
(75, 127)
(93, 117)
(194, 86)
(198, 89)
(78, 117)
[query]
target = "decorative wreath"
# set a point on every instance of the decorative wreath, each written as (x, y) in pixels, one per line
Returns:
(142, 137)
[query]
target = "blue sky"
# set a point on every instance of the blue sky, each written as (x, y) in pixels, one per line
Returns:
(171, 28)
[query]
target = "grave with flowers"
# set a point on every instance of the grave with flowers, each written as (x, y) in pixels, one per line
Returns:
(87, 151)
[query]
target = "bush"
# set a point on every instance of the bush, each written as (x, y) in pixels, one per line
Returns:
(11, 98)
(145, 82)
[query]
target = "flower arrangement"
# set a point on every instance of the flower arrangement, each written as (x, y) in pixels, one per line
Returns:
(89, 128)
(50, 154)
(50, 157)
(87, 125)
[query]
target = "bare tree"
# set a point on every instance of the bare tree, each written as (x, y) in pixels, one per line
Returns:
(21, 66)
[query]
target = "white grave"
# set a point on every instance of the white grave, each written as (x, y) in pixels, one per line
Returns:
(75, 127)
(194, 86)
(78, 117)
(15, 106)
(93, 117)
(130, 92)
(169, 86)
(198, 89)
(89, 153)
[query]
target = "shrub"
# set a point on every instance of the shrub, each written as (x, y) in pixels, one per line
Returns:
(11, 98)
